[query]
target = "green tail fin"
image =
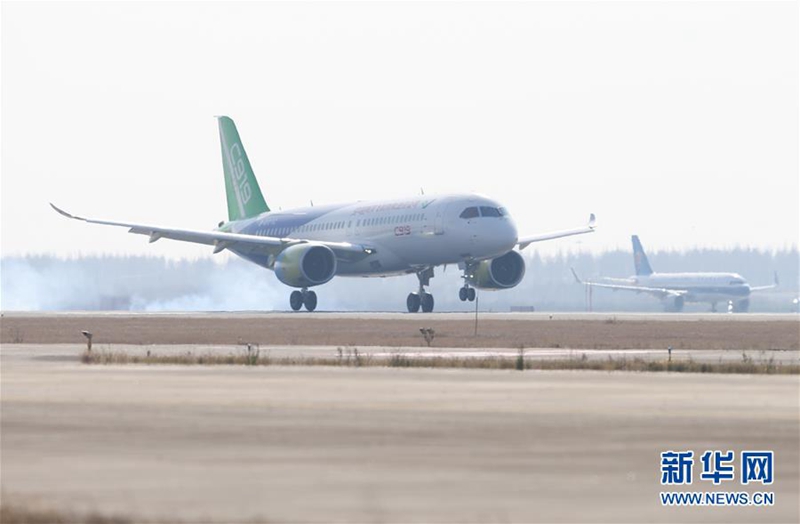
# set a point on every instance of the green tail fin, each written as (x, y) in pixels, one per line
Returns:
(244, 196)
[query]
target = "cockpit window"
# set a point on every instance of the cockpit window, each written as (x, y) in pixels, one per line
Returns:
(487, 211)
(502, 211)
(470, 212)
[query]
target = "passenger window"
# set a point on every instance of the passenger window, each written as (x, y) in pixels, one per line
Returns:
(470, 212)
(489, 211)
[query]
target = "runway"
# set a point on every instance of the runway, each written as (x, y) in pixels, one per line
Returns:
(274, 444)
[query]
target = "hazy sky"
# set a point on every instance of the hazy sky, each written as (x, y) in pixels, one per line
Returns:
(677, 121)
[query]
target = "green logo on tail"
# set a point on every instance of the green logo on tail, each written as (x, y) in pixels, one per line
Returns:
(244, 196)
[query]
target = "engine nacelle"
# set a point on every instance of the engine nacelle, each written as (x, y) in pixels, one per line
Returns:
(673, 304)
(498, 273)
(305, 265)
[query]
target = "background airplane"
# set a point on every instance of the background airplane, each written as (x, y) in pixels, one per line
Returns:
(307, 247)
(675, 289)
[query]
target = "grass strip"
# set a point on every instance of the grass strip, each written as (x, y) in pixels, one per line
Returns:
(352, 358)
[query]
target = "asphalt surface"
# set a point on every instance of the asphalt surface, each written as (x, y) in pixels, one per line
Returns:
(276, 444)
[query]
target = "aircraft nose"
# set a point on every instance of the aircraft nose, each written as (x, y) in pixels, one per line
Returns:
(509, 234)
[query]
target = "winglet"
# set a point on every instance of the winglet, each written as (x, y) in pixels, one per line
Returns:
(574, 274)
(64, 213)
(777, 281)
(592, 221)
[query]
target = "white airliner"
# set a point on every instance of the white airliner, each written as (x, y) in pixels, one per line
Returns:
(675, 289)
(308, 246)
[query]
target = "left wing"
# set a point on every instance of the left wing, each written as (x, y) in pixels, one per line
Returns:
(660, 292)
(588, 228)
(775, 284)
(252, 244)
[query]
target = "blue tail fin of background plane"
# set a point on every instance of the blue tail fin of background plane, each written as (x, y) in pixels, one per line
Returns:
(639, 258)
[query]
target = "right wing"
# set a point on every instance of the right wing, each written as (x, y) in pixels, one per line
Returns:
(250, 244)
(528, 240)
(657, 291)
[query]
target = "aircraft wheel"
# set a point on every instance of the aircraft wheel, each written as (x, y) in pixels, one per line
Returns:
(462, 294)
(471, 294)
(427, 303)
(296, 300)
(310, 301)
(413, 302)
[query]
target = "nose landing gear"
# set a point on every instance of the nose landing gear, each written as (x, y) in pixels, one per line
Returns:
(301, 298)
(466, 293)
(421, 299)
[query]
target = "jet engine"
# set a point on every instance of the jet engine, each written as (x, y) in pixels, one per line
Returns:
(305, 265)
(674, 304)
(498, 273)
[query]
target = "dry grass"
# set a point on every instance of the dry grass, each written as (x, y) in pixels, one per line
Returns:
(16, 514)
(351, 357)
(314, 330)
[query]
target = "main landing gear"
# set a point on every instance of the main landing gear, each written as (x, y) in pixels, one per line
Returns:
(421, 299)
(301, 298)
